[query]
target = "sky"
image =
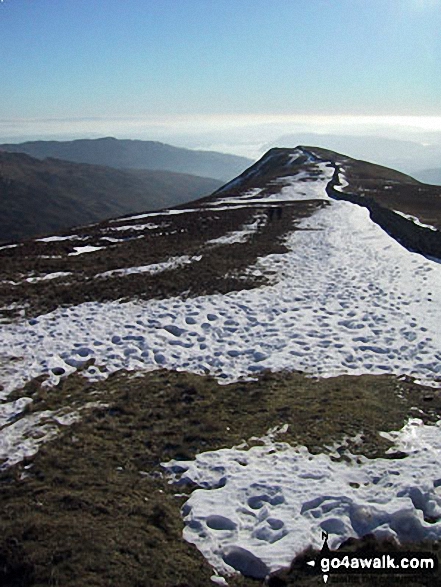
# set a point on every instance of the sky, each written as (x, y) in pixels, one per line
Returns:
(193, 71)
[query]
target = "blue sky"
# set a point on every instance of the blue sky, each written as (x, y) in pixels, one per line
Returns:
(73, 66)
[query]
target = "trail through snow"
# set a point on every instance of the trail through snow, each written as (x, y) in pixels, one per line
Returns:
(347, 298)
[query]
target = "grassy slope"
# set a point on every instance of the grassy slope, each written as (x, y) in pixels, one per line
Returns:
(93, 509)
(389, 188)
(40, 197)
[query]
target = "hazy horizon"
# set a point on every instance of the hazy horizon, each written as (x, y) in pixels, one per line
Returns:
(404, 143)
(227, 76)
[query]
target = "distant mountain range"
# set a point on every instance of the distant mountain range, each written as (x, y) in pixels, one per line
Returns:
(40, 197)
(136, 154)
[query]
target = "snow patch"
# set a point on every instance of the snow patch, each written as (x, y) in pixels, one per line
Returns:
(153, 268)
(4, 247)
(25, 435)
(241, 235)
(48, 276)
(55, 239)
(342, 182)
(415, 220)
(273, 501)
(85, 249)
(304, 185)
(126, 227)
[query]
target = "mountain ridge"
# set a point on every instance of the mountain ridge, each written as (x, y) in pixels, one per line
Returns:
(136, 154)
(141, 351)
(258, 190)
(407, 156)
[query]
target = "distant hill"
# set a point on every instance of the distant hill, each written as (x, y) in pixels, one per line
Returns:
(432, 176)
(135, 154)
(39, 197)
(402, 155)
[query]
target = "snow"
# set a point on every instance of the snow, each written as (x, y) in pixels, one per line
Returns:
(111, 239)
(4, 247)
(302, 186)
(85, 249)
(257, 508)
(360, 304)
(48, 276)
(241, 235)
(345, 298)
(168, 212)
(9, 411)
(54, 239)
(415, 220)
(37, 278)
(250, 196)
(256, 170)
(125, 227)
(218, 580)
(342, 182)
(120, 239)
(23, 437)
(153, 268)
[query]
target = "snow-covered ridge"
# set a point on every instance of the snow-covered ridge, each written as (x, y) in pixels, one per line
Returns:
(272, 157)
(257, 508)
(344, 298)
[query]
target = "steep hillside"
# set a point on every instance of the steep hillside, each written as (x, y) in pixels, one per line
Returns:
(41, 197)
(199, 395)
(135, 154)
